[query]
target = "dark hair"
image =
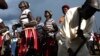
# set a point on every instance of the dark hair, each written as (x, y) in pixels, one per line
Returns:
(65, 6)
(50, 13)
(38, 17)
(7, 27)
(25, 3)
(3, 4)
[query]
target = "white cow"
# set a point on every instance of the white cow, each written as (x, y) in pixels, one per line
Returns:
(69, 37)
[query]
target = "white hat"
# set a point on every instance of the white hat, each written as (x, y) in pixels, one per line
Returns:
(49, 11)
(1, 20)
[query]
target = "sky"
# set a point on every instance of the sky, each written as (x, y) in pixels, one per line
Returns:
(37, 7)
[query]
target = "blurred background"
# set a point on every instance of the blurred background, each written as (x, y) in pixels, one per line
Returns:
(37, 7)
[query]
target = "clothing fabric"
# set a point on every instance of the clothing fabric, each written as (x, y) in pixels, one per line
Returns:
(24, 17)
(39, 26)
(49, 25)
(29, 33)
(69, 31)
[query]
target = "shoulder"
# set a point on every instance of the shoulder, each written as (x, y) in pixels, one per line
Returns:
(26, 11)
(52, 20)
(41, 24)
(62, 17)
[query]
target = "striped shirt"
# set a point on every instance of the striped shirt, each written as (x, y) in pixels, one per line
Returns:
(24, 17)
(49, 23)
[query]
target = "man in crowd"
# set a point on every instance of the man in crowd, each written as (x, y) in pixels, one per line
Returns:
(64, 10)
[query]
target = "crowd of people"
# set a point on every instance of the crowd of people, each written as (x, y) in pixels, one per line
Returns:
(38, 38)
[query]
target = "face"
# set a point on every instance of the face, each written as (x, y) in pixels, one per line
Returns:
(65, 10)
(38, 19)
(22, 7)
(47, 15)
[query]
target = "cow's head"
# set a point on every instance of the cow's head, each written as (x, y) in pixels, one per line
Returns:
(89, 8)
(94, 3)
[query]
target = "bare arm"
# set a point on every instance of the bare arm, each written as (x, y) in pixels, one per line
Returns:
(30, 16)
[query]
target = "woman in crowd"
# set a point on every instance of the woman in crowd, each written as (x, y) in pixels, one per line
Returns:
(50, 28)
(29, 40)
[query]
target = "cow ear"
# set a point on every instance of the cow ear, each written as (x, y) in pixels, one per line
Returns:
(3, 4)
